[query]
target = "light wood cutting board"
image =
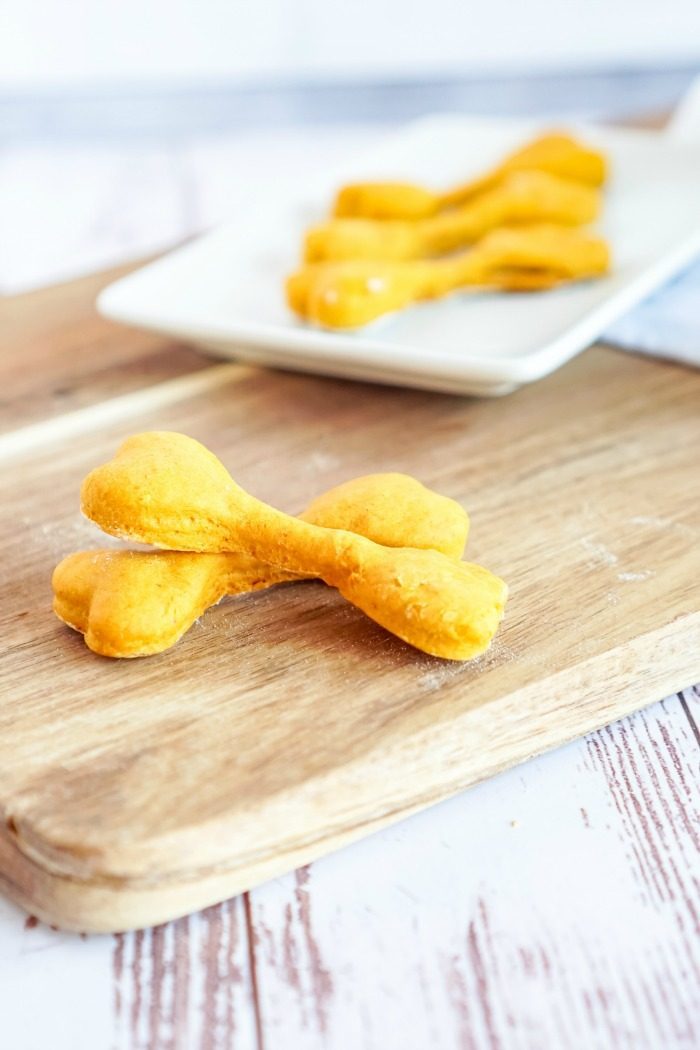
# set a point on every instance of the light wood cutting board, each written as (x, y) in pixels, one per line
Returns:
(286, 724)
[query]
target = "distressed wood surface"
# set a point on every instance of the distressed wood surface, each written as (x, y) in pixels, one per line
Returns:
(553, 905)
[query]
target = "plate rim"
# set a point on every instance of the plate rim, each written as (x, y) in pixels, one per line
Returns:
(313, 345)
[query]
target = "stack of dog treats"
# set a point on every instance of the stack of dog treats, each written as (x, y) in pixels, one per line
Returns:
(516, 228)
(389, 545)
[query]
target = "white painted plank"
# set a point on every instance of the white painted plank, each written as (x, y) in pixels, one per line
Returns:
(186, 984)
(53, 986)
(553, 906)
(177, 987)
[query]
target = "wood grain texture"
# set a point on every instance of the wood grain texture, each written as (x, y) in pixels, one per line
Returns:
(187, 983)
(553, 905)
(133, 792)
(57, 355)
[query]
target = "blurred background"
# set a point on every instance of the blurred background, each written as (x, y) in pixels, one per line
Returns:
(128, 126)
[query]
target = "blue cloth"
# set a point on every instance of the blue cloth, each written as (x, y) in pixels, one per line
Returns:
(667, 324)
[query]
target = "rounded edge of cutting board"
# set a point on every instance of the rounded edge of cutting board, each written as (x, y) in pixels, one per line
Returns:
(109, 904)
(104, 906)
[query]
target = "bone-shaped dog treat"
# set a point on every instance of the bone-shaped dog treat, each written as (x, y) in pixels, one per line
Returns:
(523, 197)
(557, 154)
(353, 293)
(170, 491)
(136, 603)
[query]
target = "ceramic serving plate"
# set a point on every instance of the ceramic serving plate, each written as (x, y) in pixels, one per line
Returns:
(224, 292)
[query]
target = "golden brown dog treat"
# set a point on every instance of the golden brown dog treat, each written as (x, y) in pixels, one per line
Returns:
(555, 153)
(394, 510)
(526, 258)
(136, 603)
(385, 200)
(522, 197)
(168, 490)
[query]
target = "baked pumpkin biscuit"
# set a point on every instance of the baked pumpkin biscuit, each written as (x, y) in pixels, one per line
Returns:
(356, 292)
(555, 153)
(136, 603)
(168, 490)
(523, 197)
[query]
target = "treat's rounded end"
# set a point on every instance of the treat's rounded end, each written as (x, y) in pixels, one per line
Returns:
(394, 510)
(162, 488)
(444, 608)
(385, 200)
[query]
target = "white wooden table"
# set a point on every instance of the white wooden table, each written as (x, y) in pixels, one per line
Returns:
(555, 906)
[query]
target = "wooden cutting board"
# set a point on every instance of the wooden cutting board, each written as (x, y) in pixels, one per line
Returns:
(286, 724)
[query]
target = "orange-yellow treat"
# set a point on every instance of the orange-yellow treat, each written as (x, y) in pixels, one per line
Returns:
(168, 490)
(394, 510)
(522, 197)
(555, 153)
(136, 603)
(354, 293)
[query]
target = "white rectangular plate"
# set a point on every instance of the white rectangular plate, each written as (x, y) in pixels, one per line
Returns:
(225, 293)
